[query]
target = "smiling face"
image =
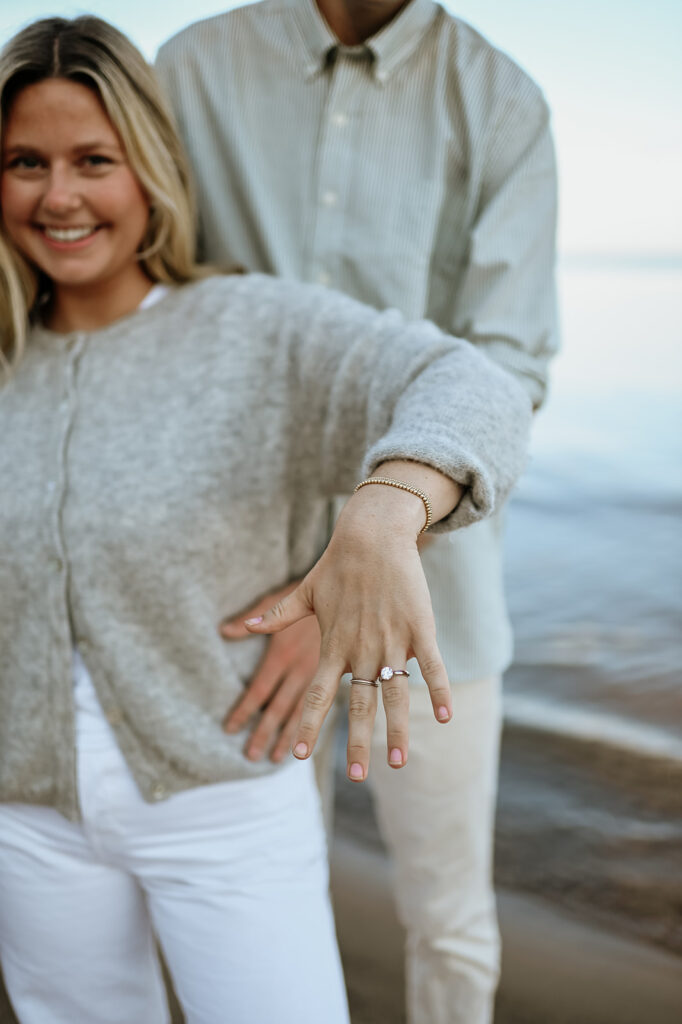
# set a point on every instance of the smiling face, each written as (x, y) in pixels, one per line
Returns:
(70, 201)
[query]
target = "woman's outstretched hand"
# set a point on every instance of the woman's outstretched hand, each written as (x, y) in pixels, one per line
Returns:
(372, 603)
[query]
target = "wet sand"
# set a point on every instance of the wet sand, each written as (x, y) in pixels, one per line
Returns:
(590, 931)
(556, 970)
(590, 917)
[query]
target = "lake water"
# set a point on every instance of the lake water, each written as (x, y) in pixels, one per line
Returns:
(590, 808)
(591, 777)
(594, 549)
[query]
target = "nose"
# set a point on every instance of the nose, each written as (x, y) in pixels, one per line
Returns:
(61, 195)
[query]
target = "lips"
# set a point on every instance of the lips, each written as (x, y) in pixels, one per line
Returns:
(73, 234)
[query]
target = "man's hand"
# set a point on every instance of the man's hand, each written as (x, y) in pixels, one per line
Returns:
(278, 687)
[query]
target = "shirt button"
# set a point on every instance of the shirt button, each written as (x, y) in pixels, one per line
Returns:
(340, 120)
(50, 485)
(323, 277)
(330, 198)
(158, 792)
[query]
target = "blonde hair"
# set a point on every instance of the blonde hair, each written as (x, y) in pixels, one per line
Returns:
(93, 53)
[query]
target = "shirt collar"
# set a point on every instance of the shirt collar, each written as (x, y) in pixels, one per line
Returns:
(389, 48)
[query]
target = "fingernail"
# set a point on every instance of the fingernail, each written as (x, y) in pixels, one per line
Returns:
(254, 621)
(356, 771)
(396, 756)
(301, 750)
(443, 713)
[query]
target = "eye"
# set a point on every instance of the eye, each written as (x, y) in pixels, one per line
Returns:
(96, 160)
(24, 162)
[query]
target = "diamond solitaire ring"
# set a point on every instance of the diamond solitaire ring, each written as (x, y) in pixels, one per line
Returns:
(387, 673)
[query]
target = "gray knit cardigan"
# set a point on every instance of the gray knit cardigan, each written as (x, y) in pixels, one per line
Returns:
(163, 472)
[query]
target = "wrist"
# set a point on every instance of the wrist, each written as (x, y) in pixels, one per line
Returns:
(384, 481)
(384, 510)
(441, 491)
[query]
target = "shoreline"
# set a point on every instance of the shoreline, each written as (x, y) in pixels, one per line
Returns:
(555, 969)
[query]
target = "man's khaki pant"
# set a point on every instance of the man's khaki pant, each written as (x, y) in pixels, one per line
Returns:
(437, 817)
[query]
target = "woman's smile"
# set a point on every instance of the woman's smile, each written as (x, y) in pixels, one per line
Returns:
(66, 238)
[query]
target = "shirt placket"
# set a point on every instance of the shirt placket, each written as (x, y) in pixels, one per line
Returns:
(57, 487)
(335, 155)
(58, 562)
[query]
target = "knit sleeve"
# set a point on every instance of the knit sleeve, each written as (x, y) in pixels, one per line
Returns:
(369, 386)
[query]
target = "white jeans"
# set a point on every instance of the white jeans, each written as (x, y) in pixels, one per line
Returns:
(437, 818)
(231, 878)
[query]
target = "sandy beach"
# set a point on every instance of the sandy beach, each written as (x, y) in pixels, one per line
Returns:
(557, 969)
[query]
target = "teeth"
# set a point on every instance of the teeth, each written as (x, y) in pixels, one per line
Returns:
(68, 234)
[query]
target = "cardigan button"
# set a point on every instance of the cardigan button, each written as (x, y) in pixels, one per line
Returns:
(158, 792)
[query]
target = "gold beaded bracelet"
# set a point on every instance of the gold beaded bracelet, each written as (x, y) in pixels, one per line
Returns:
(403, 487)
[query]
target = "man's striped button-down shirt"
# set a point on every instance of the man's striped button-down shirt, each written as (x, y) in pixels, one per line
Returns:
(415, 171)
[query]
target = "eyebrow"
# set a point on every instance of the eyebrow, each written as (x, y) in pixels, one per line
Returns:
(85, 147)
(97, 144)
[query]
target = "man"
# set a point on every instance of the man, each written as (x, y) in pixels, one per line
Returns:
(385, 149)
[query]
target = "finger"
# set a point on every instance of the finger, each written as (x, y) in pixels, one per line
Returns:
(317, 700)
(286, 737)
(234, 628)
(362, 709)
(396, 699)
(275, 717)
(436, 676)
(290, 609)
(259, 691)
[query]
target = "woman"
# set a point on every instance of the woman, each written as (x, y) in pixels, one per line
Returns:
(171, 439)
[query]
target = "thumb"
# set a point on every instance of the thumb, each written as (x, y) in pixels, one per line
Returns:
(290, 609)
(234, 628)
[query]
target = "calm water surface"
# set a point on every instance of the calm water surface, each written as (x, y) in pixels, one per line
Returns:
(591, 787)
(590, 809)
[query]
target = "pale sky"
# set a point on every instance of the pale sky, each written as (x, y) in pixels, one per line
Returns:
(610, 70)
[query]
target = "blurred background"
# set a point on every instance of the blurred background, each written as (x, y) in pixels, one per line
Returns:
(589, 836)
